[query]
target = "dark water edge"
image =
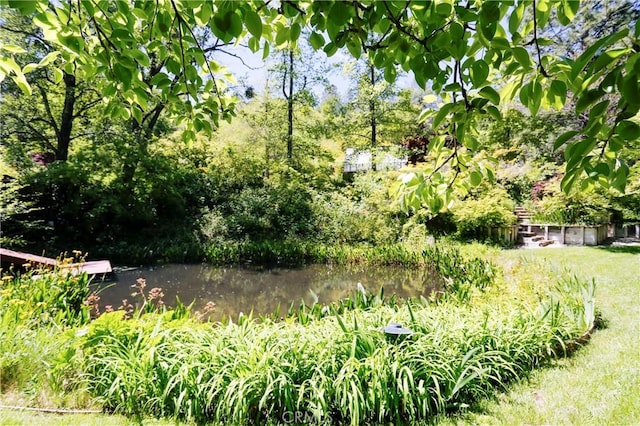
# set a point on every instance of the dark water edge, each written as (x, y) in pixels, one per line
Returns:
(241, 289)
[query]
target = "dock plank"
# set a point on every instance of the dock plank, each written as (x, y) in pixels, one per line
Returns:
(95, 267)
(18, 258)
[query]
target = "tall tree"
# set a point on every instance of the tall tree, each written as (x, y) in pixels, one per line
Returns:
(299, 70)
(43, 121)
(378, 112)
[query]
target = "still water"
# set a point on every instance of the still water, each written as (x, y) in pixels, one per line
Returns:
(262, 290)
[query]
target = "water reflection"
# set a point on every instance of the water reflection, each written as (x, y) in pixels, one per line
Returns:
(242, 289)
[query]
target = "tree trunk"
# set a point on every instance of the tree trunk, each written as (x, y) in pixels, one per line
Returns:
(372, 108)
(66, 118)
(290, 109)
(142, 137)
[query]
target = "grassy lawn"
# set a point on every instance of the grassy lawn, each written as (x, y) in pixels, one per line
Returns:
(599, 384)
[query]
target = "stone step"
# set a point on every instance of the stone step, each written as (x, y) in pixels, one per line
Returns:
(539, 238)
(545, 243)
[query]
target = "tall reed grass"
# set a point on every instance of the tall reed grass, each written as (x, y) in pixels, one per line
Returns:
(334, 366)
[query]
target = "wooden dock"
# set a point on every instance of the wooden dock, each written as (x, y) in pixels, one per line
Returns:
(96, 267)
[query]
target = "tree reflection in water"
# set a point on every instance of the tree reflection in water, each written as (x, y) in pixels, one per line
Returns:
(261, 290)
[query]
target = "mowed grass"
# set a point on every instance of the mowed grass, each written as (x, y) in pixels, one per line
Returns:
(599, 384)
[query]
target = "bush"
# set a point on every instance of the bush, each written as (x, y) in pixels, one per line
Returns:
(269, 212)
(577, 208)
(361, 212)
(492, 209)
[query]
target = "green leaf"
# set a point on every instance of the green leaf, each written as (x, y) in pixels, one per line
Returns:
(494, 112)
(294, 34)
(479, 72)
(235, 24)
(137, 114)
(598, 110)
(452, 87)
(173, 67)
(253, 23)
(585, 57)
(516, 17)
(525, 94)
(441, 114)
(500, 43)
(607, 58)
(557, 94)
(562, 16)
(339, 14)
(49, 58)
(353, 46)
(30, 67)
(578, 150)
(316, 40)
(571, 8)
(254, 44)
(141, 14)
(616, 143)
(587, 99)
(26, 7)
(628, 130)
(22, 83)
(602, 169)
(57, 75)
(630, 88)
(13, 49)
(123, 75)
(390, 73)
(620, 177)
(490, 93)
(488, 29)
(220, 26)
(282, 36)
(522, 56)
(489, 18)
(563, 138)
(109, 90)
(141, 57)
(543, 11)
(568, 180)
(74, 44)
(121, 34)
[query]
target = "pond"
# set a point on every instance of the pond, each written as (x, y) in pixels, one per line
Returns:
(262, 290)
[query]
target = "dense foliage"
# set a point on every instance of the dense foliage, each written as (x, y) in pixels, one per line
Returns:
(151, 59)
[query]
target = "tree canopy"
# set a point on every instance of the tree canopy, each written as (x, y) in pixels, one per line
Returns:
(475, 56)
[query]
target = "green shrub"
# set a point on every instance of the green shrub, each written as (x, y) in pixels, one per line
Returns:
(270, 212)
(492, 209)
(580, 207)
(361, 212)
